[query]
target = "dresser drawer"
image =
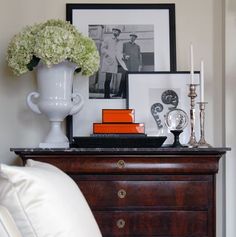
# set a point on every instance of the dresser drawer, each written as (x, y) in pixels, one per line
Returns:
(158, 194)
(124, 164)
(155, 223)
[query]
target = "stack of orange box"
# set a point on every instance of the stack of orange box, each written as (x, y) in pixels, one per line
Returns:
(118, 121)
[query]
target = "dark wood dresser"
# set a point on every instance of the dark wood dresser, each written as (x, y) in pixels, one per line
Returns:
(164, 192)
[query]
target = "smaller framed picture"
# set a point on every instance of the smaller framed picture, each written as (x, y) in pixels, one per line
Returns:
(152, 95)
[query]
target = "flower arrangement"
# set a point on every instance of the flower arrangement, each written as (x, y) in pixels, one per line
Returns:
(52, 42)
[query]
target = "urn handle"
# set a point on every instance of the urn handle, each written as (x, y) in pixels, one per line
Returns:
(78, 103)
(34, 107)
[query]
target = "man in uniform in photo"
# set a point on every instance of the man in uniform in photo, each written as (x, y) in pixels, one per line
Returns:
(133, 60)
(112, 59)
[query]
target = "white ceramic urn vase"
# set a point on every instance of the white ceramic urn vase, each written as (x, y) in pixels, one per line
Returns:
(55, 100)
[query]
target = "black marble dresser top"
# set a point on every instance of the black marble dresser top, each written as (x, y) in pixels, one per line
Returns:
(153, 151)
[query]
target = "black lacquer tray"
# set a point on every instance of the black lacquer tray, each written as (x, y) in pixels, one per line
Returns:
(115, 142)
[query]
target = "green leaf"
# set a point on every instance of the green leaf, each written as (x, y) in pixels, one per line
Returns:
(33, 63)
(78, 70)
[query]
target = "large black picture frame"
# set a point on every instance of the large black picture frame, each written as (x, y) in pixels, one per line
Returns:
(81, 124)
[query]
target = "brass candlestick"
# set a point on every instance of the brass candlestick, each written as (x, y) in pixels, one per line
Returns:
(202, 142)
(192, 94)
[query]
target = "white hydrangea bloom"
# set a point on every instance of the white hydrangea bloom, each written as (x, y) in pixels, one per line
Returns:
(52, 42)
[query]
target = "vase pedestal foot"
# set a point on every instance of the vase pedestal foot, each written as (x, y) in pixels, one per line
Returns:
(55, 138)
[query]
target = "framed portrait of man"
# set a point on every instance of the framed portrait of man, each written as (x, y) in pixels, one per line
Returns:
(129, 38)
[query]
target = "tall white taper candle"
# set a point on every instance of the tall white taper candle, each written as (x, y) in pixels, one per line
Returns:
(202, 82)
(192, 63)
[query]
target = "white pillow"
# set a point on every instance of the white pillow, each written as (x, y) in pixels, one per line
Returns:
(7, 225)
(45, 202)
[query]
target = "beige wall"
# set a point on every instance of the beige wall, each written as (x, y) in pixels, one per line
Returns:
(199, 22)
(230, 99)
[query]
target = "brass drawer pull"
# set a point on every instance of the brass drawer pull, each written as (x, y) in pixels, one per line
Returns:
(121, 164)
(121, 193)
(120, 223)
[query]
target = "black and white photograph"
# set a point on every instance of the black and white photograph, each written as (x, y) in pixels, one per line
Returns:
(161, 101)
(152, 95)
(142, 37)
(122, 48)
